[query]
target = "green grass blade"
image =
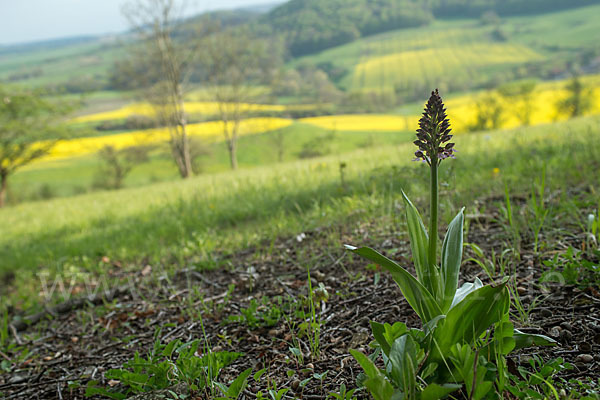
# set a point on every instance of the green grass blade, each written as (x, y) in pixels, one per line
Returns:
(417, 295)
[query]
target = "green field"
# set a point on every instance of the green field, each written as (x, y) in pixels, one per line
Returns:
(452, 54)
(460, 54)
(76, 175)
(90, 60)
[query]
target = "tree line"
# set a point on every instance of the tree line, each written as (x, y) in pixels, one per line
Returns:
(310, 26)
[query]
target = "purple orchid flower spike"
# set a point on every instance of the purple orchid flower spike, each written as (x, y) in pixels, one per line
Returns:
(433, 135)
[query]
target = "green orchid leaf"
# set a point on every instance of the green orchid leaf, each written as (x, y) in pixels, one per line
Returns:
(386, 334)
(529, 339)
(403, 359)
(378, 386)
(430, 326)
(451, 259)
(503, 336)
(467, 320)
(366, 364)
(427, 273)
(419, 298)
(239, 384)
(464, 290)
(379, 335)
(433, 391)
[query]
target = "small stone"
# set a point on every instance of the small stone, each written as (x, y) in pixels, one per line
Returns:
(555, 331)
(566, 335)
(584, 358)
(17, 378)
(146, 270)
(310, 366)
(545, 312)
(295, 384)
(585, 347)
(318, 274)
(566, 325)
(274, 332)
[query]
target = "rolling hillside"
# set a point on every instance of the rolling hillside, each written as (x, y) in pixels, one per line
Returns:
(463, 54)
(310, 26)
(469, 50)
(460, 57)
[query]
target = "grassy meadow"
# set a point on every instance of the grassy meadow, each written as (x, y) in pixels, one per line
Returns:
(185, 222)
(72, 165)
(238, 276)
(56, 65)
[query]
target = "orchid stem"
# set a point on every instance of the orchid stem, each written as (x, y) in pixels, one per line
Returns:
(433, 226)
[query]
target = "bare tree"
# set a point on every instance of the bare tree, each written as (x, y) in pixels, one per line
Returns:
(233, 60)
(167, 50)
(30, 125)
(118, 163)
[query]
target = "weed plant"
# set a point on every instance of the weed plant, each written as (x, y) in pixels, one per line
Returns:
(172, 364)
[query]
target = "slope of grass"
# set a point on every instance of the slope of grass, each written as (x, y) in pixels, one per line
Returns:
(56, 66)
(73, 166)
(74, 175)
(460, 53)
(569, 29)
(171, 222)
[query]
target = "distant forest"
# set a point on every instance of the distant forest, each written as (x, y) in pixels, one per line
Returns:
(310, 26)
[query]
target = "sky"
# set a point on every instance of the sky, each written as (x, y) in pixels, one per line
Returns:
(24, 21)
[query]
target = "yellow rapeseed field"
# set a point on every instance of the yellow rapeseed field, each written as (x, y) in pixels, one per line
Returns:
(462, 111)
(363, 122)
(196, 107)
(209, 131)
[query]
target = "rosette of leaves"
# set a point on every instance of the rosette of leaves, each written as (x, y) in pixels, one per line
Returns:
(466, 332)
